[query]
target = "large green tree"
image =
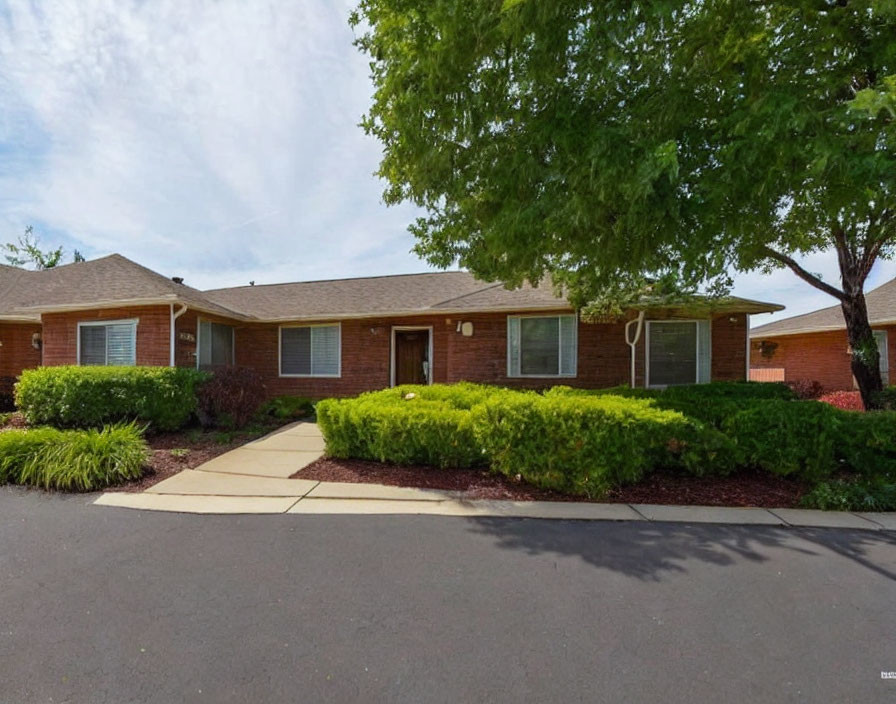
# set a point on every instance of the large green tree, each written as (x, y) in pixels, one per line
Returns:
(608, 142)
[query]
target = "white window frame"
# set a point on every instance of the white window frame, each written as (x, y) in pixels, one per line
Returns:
(337, 375)
(199, 322)
(575, 346)
(696, 322)
(133, 322)
(409, 328)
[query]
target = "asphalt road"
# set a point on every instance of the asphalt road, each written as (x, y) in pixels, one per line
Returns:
(112, 605)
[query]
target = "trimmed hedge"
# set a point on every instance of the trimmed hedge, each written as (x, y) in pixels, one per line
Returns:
(583, 445)
(67, 397)
(403, 425)
(800, 438)
(72, 460)
(588, 441)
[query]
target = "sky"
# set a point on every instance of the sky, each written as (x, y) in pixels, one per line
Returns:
(218, 141)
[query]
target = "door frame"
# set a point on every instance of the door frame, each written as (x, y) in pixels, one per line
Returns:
(408, 328)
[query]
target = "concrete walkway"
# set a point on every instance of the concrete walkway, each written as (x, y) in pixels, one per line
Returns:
(255, 479)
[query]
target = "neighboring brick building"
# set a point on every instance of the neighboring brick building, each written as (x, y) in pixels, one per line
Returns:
(814, 346)
(346, 336)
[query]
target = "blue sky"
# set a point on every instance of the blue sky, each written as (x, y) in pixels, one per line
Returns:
(214, 140)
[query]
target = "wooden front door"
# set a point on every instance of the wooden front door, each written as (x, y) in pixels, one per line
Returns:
(411, 357)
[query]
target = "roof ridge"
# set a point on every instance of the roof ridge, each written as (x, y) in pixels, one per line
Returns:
(467, 295)
(344, 278)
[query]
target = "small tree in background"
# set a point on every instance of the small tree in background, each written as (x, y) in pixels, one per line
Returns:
(27, 252)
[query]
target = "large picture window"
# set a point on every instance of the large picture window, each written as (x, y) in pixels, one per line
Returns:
(310, 350)
(678, 352)
(541, 346)
(215, 345)
(107, 343)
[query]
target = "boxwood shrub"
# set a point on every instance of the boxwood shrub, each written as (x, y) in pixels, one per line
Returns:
(164, 397)
(72, 460)
(585, 445)
(799, 438)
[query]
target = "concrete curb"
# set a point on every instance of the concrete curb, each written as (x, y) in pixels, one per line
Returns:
(329, 498)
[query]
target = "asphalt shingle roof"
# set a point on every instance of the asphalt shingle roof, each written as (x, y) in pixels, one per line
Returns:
(115, 281)
(881, 303)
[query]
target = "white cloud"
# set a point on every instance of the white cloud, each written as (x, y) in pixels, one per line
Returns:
(214, 140)
(218, 140)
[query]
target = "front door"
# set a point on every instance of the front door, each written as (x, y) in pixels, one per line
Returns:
(411, 357)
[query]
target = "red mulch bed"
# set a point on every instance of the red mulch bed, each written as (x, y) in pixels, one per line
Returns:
(746, 488)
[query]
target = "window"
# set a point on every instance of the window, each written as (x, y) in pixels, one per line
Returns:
(112, 343)
(215, 345)
(678, 352)
(541, 345)
(311, 350)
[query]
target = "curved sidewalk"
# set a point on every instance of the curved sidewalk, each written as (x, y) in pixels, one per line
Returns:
(254, 479)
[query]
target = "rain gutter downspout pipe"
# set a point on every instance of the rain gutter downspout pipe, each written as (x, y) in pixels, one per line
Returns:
(632, 342)
(174, 316)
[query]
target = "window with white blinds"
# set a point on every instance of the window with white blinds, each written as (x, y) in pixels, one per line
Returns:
(678, 352)
(542, 346)
(215, 345)
(311, 350)
(112, 343)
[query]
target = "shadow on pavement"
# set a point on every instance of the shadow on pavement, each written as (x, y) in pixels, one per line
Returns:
(648, 551)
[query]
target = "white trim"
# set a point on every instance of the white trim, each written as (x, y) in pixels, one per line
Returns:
(747, 377)
(696, 322)
(409, 328)
(337, 375)
(95, 323)
(575, 347)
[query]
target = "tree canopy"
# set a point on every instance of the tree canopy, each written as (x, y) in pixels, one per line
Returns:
(27, 252)
(607, 143)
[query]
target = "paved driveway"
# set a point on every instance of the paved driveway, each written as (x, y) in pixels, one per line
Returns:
(111, 605)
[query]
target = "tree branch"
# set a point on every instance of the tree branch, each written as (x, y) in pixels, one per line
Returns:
(810, 279)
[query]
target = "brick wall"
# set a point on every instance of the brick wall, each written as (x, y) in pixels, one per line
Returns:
(603, 356)
(822, 357)
(16, 351)
(60, 333)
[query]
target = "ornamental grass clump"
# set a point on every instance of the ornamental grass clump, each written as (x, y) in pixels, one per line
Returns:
(72, 460)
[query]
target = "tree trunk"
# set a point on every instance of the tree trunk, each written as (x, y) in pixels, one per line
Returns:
(865, 356)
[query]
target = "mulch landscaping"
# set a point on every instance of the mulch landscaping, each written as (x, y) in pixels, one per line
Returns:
(745, 488)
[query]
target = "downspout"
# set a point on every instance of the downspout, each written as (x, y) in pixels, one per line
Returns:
(174, 317)
(748, 347)
(633, 342)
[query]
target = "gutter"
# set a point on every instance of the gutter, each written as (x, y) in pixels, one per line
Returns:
(633, 342)
(174, 317)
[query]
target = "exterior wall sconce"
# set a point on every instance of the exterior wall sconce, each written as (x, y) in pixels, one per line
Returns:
(36, 341)
(465, 329)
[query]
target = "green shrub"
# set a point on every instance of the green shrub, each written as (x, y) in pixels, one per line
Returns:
(72, 460)
(288, 407)
(867, 442)
(843, 495)
(797, 438)
(414, 431)
(579, 444)
(164, 397)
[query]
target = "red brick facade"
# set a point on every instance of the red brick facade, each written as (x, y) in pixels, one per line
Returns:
(60, 333)
(822, 356)
(16, 349)
(603, 356)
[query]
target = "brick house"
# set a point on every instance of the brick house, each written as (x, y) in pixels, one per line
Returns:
(814, 346)
(342, 337)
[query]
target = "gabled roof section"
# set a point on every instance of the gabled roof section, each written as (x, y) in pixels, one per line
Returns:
(106, 282)
(881, 303)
